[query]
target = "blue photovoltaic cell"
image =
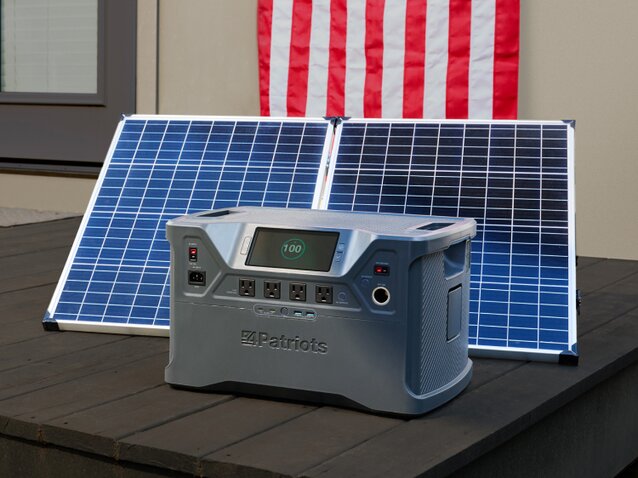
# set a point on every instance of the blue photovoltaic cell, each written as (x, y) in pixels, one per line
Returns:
(163, 168)
(513, 178)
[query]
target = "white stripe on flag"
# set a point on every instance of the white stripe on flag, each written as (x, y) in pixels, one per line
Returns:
(355, 58)
(393, 55)
(280, 56)
(318, 59)
(436, 56)
(481, 74)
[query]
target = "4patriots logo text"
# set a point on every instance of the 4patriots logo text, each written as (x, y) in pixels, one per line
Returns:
(253, 338)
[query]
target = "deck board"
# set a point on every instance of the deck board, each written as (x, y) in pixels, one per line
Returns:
(23, 305)
(24, 240)
(70, 360)
(88, 391)
(97, 429)
(25, 271)
(179, 444)
(583, 262)
(101, 395)
(304, 442)
(608, 303)
(475, 423)
(604, 274)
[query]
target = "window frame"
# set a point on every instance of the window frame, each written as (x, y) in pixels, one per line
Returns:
(51, 98)
(69, 133)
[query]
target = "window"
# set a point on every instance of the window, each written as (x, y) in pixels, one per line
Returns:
(49, 46)
(67, 73)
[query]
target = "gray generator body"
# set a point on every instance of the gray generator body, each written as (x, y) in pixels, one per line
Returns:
(356, 309)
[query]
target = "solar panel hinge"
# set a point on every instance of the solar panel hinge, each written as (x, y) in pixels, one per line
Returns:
(335, 120)
(579, 300)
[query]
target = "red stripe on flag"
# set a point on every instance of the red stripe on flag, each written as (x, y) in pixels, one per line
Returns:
(414, 58)
(506, 51)
(374, 59)
(335, 103)
(264, 32)
(456, 95)
(299, 57)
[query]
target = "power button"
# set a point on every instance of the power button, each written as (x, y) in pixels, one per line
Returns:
(192, 254)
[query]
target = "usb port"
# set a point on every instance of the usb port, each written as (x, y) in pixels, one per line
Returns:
(298, 313)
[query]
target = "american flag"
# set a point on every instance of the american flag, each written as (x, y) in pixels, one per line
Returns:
(389, 58)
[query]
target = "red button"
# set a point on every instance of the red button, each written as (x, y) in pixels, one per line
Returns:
(192, 254)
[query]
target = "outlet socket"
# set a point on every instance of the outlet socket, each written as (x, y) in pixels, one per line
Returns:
(323, 294)
(247, 287)
(297, 291)
(272, 289)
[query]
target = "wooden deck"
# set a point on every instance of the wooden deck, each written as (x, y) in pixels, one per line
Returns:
(77, 404)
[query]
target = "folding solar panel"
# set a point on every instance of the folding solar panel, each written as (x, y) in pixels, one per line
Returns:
(161, 167)
(515, 179)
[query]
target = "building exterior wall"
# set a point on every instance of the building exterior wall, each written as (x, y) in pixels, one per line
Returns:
(45, 193)
(577, 62)
(147, 61)
(208, 57)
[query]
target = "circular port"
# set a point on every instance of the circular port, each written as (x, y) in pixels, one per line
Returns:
(381, 296)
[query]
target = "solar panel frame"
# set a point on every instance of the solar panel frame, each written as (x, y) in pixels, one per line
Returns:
(570, 351)
(51, 322)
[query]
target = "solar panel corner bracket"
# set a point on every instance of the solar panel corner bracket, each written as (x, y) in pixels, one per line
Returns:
(569, 357)
(50, 326)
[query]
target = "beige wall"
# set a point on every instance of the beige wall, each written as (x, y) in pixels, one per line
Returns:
(208, 57)
(578, 61)
(147, 64)
(45, 193)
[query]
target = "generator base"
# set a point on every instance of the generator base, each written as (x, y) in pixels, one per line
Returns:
(421, 405)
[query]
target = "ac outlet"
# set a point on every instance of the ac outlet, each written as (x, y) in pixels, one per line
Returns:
(297, 291)
(323, 294)
(197, 278)
(247, 287)
(272, 289)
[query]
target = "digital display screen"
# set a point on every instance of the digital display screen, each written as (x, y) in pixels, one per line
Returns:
(292, 249)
